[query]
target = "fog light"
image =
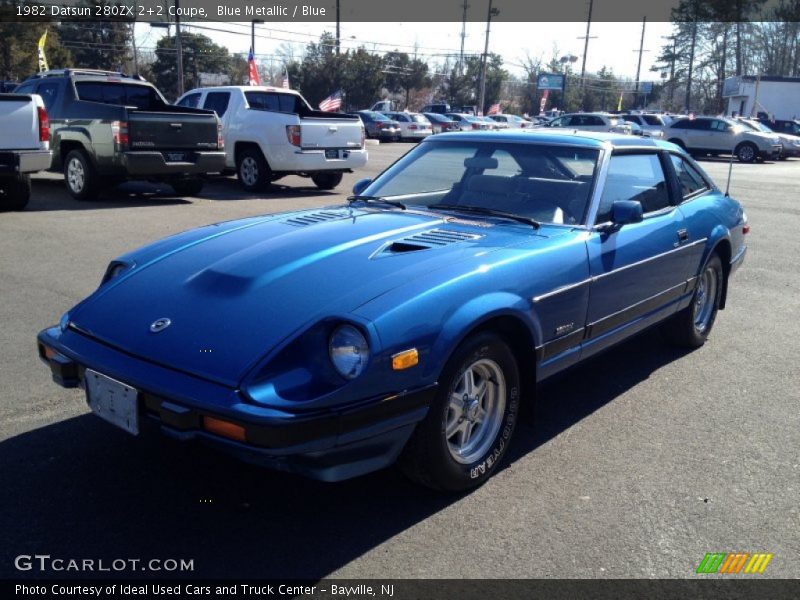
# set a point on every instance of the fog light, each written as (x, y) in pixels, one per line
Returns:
(224, 428)
(405, 359)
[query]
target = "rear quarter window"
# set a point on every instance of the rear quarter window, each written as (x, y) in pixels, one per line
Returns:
(218, 102)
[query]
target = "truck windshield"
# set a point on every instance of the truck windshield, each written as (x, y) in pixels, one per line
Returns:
(548, 183)
(141, 97)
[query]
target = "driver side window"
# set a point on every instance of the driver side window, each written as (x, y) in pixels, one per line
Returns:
(637, 177)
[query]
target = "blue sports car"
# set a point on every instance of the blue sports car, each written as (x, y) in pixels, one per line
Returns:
(409, 324)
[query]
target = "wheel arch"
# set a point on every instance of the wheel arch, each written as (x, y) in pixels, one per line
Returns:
(241, 146)
(720, 244)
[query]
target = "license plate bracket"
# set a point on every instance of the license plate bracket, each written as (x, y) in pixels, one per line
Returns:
(112, 400)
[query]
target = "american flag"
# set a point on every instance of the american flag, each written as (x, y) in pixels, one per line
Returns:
(332, 102)
(285, 82)
(494, 109)
(253, 78)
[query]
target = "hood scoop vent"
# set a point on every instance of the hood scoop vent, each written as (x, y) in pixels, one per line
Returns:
(316, 217)
(436, 238)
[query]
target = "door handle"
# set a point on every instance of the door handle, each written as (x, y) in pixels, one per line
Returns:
(683, 236)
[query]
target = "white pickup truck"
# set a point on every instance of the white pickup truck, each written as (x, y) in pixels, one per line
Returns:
(272, 132)
(24, 147)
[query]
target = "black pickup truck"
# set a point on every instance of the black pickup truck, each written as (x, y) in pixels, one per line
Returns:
(108, 127)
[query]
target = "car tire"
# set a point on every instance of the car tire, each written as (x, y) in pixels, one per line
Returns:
(746, 152)
(437, 455)
(83, 182)
(326, 181)
(187, 187)
(691, 327)
(252, 170)
(15, 192)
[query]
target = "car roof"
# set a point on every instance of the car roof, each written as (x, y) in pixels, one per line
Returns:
(244, 88)
(584, 139)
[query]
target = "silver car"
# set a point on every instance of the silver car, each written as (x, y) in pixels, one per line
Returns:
(592, 122)
(720, 135)
(413, 126)
(512, 121)
(652, 125)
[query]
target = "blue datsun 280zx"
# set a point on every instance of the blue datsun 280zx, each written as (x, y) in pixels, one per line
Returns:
(410, 323)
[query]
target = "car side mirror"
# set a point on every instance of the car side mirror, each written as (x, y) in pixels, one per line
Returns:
(361, 185)
(625, 212)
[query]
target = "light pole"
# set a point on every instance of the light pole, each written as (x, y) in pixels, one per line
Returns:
(566, 60)
(253, 34)
(493, 12)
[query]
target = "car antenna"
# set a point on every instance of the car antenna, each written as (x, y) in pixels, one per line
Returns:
(730, 170)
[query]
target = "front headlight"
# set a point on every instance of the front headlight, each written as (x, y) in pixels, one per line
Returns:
(349, 351)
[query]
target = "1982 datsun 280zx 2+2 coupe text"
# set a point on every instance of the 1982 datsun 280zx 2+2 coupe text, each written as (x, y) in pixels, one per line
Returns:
(410, 324)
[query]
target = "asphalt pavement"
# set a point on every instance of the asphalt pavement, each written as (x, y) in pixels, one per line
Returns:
(634, 465)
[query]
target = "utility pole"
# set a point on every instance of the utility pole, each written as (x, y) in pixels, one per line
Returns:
(639, 65)
(586, 42)
(463, 37)
(179, 47)
(493, 12)
(135, 52)
(338, 30)
(688, 99)
(253, 34)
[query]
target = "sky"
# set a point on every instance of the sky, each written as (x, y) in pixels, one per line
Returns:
(616, 44)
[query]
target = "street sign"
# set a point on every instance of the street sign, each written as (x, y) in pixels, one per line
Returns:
(646, 87)
(550, 81)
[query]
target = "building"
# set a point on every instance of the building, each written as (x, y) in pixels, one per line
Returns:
(777, 97)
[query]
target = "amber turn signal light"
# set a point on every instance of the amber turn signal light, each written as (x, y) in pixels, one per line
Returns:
(405, 359)
(224, 428)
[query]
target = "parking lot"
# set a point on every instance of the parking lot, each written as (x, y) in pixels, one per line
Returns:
(634, 465)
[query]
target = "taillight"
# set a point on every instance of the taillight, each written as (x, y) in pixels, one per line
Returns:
(476, 126)
(746, 228)
(293, 134)
(378, 125)
(220, 139)
(412, 127)
(44, 125)
(119, 130)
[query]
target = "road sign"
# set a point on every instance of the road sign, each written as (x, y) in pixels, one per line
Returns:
(550, 81)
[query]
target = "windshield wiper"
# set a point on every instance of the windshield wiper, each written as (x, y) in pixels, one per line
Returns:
(489, 212)
(375, 199)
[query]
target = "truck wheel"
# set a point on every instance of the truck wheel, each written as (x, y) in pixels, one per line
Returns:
(746, 152)
(326, 181)
(187, 187)
(82, 180)
(15, 192)
(252, 169)
(469, 425)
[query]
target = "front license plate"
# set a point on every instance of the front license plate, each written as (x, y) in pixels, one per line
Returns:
(113, 401)
(331, 154)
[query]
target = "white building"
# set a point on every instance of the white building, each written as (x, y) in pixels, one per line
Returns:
(778, 97)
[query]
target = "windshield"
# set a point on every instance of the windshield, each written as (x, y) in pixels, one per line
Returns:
(548, 183)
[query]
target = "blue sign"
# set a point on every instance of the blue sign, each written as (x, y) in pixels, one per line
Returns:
(646, 87)
(550, 81)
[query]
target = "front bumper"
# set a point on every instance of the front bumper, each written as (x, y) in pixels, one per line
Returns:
(24, 161)
(329, 445)
(771, 152)
(155, 164)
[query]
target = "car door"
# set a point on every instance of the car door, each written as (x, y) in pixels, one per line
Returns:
(698, 134)
(721, 137)
(638, 270)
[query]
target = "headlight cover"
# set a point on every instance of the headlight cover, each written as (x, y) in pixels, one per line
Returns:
(349, 351)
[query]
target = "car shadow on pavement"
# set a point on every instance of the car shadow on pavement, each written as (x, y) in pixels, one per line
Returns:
(82, 489)
(51, 195)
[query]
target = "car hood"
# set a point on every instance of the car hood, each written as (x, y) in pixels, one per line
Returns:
(233, 295)
(766, 138)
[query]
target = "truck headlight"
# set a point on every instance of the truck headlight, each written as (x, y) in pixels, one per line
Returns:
(349, 351)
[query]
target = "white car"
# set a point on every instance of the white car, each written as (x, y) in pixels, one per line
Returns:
(592, 122)
(652, 125)
(24, 147)
(512, 121)
(413, 126)
(272, 132)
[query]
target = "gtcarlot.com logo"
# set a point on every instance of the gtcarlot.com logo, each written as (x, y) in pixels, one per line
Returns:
(46, 563)
(734, 562)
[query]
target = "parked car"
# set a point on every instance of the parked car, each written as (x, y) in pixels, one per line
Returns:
(6, 87)
(652, 125)
(24, 147)
(273, 132)
(413, 126)
(441, 123)
(512, 121)
(440, 108)
(414, 321)
(719, 135)
(468, 122)
(783, 126)
(493, 124)
(107, 127)
(790, 144)
(378, 125)
(592, 122)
